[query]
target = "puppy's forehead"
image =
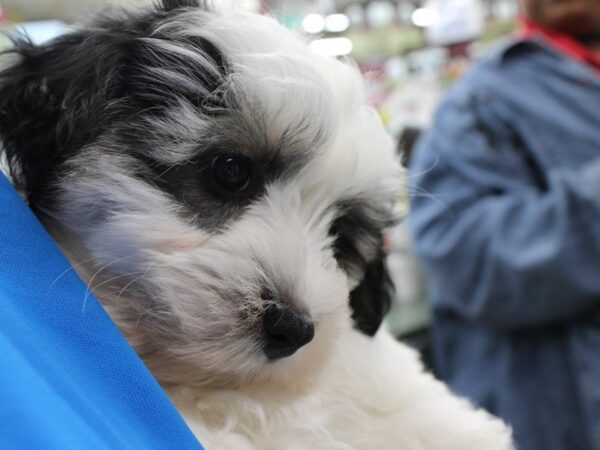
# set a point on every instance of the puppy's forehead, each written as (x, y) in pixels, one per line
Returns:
(236, 82)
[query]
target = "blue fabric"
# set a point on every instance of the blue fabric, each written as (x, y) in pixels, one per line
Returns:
(68, 379)
(506, 220)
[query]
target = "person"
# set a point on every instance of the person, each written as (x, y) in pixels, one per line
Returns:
(505, 217)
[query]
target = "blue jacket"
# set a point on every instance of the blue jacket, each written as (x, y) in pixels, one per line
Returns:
(68, 378)
(505, 215)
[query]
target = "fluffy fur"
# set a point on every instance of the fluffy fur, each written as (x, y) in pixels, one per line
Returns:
(117, 133)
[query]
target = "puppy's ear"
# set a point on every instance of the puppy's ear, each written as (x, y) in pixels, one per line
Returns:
(169, 5)
(358, 247)
(370, 301)
(51, 100)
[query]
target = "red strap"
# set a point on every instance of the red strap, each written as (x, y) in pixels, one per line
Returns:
(562, 42)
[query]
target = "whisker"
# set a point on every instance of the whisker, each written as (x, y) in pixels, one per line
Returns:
(94, 277)
(131, 282)
(92, 289)
(72, 267)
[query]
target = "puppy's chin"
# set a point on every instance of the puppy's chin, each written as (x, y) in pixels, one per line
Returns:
(303, 369)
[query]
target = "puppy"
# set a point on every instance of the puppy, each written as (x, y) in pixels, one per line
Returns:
(223, 191)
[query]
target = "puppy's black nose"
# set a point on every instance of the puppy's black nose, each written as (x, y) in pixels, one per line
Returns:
(286, 330)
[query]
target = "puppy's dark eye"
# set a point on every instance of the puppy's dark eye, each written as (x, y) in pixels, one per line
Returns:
(232, 172)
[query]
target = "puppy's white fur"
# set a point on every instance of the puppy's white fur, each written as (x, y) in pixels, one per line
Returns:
(373, 394)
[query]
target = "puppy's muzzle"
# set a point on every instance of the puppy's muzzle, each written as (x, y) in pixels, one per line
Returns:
(286, 330)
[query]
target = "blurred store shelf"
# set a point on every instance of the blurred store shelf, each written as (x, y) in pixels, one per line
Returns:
(67, 10)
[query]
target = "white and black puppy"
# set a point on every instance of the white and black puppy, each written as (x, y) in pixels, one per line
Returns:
(223, 191)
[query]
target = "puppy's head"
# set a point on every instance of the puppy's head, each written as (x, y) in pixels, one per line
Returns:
(219, 186)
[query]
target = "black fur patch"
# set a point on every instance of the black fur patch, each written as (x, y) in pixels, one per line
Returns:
(54, 101)
(169, 5)
(63, 95)
(371, 300)
(358, 249)
(192, 185)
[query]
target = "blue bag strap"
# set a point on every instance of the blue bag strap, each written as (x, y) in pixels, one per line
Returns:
(68, 378)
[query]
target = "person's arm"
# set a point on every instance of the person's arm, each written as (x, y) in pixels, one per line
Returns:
(502, 245)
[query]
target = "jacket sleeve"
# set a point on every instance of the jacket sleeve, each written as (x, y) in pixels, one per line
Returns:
(503, 244)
